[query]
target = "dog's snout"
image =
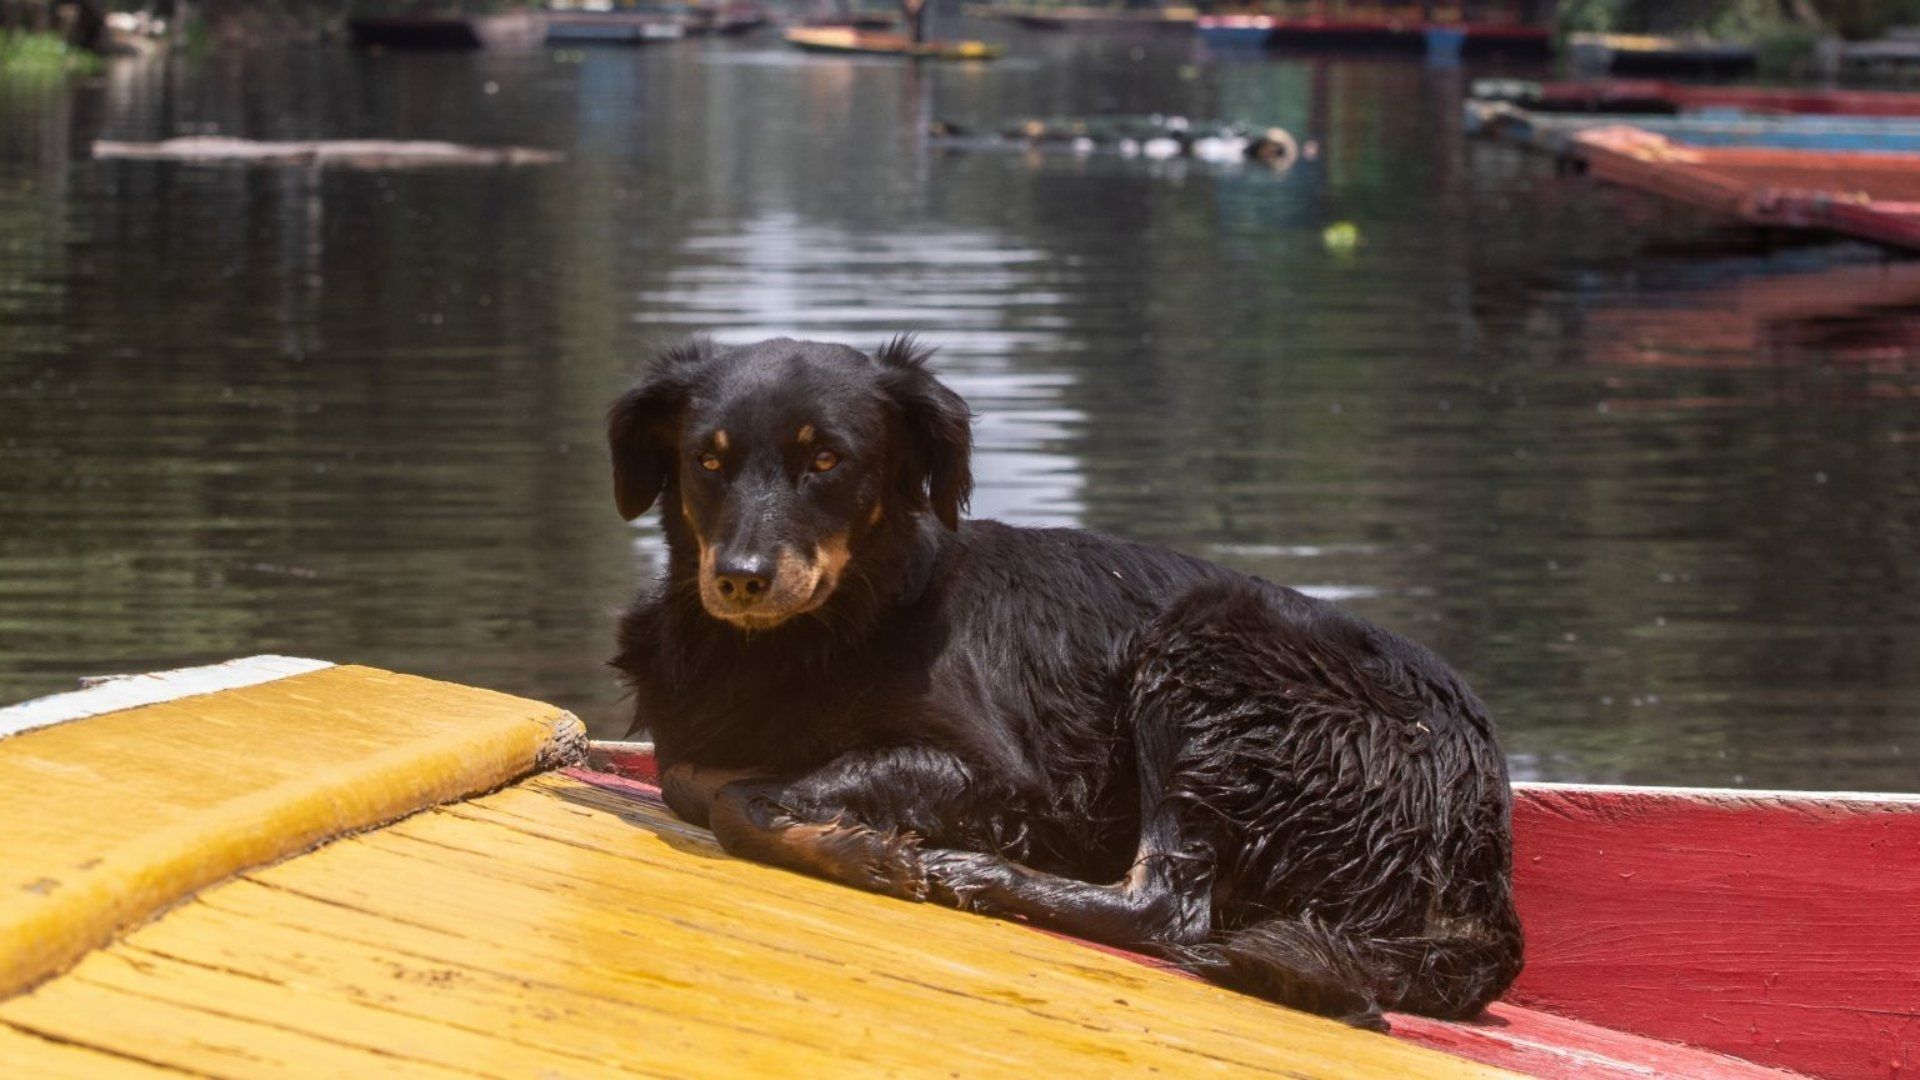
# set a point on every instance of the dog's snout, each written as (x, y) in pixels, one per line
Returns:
(743, 580)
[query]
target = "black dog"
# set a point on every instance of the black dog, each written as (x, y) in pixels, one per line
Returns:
(1095, 736)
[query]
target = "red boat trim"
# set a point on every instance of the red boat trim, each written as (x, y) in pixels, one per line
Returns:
(1776, 926)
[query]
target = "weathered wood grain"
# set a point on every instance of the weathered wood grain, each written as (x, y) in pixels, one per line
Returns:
(1783, 928)
(556, 929)
(107, 820)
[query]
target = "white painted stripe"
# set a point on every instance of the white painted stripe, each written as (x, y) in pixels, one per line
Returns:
(115, 693)
(1728, 794)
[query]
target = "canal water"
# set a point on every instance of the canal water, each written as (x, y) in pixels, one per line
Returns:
(1653, 484)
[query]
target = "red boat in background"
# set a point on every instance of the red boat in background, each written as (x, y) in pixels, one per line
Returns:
(1681, 932)
(1479, 29)
(1867, 196)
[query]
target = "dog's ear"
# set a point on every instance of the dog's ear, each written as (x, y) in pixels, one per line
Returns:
(643, 427)
(939, 463)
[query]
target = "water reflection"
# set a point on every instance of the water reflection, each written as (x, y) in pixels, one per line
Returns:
(1661, 508)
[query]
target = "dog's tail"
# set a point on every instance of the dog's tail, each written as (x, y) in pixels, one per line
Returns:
(1306, 964)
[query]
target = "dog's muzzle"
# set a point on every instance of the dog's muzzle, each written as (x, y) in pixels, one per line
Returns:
(757, 592)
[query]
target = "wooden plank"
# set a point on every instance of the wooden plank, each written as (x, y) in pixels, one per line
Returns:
(98, 837)
(195, 1041)
(27, 1055)
(1778, 927)
(554, 927)
(1525, 1040)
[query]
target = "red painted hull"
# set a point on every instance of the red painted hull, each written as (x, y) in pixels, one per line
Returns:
(1680, 932)
(1868, 196)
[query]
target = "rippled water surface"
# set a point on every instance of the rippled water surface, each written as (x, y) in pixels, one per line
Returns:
(1653, 488)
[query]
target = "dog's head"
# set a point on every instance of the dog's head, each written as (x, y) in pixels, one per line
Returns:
(781, 461)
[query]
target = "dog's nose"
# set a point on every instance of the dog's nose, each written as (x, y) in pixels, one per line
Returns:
(742, 581)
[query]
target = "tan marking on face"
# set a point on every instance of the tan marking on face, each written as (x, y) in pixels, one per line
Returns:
(799, 585)
(686, 515)
(805, 437)
(879, 511)
(830, 559)
(720, 440)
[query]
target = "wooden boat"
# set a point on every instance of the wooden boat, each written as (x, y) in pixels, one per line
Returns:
(734, 20)
(1091, 17)
(1866, 196)
(845, 40)
(1642, 54)
(881, 23)
(612, 28)
(285, 866)
(1410, 34)
(1553, 133)
(1659, 96)
(440, 32)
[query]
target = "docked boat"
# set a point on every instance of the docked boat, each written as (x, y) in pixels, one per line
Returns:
(1087, 17)
(849, 41)
(433, 32)
(733, 20)
(1228, 32)
(1865, 196)
(1656, 96)
(874, 21)
(612, 28)
(288, 867)
(1643, 54)
(1553, 133)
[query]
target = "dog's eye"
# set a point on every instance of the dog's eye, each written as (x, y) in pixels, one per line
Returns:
(825, 460)
(710, 462)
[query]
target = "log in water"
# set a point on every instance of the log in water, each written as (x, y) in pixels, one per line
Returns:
(335, 153)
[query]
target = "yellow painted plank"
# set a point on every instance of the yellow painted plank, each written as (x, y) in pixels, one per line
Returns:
(24, 1055)
(554, 929)
(107, 820)
(194, 1040)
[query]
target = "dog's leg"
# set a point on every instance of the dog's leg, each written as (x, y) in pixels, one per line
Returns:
(1165, 901)
(853, 821)
(688, 790)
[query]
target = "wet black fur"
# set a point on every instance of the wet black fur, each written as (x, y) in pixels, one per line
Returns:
(1111, 739)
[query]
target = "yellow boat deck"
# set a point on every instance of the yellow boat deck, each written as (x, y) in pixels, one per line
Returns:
(548, 929)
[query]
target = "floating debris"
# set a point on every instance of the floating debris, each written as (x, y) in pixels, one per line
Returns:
(1154, 137)
(323, 153)
(1341, 237)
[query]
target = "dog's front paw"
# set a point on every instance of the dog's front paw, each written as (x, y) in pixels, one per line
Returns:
(965, 880)
(886, 863)
(896, 871)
